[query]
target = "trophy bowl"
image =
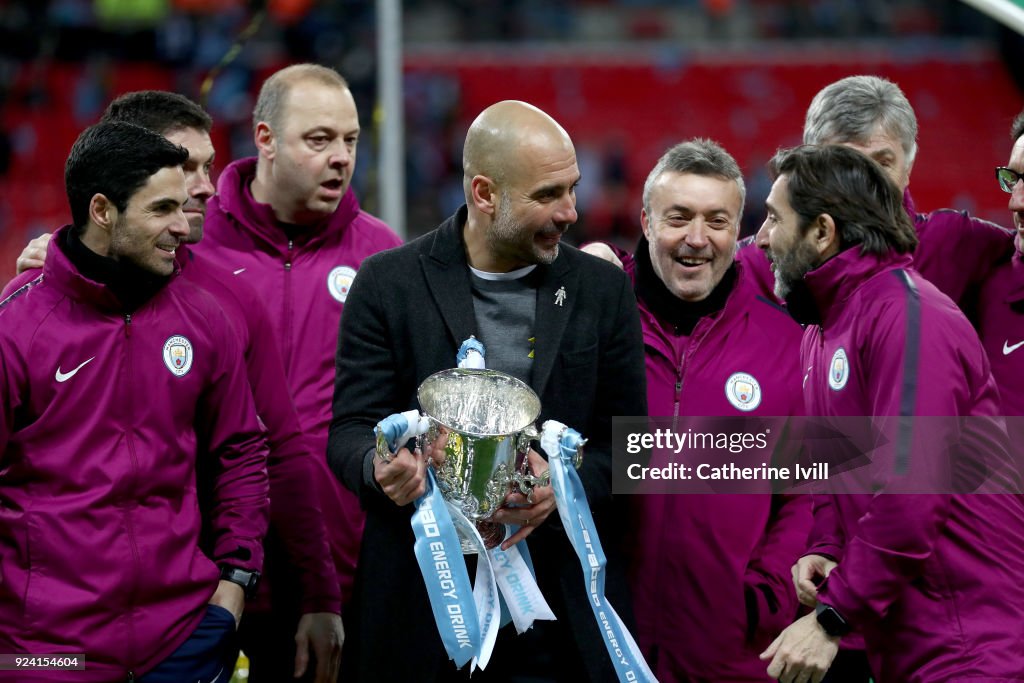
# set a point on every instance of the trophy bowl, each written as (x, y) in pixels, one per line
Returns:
(483, 421)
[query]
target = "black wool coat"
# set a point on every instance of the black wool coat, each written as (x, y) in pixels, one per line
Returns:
(406, 314)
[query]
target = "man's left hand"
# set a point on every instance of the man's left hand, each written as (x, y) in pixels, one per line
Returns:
(231, 597)
(517, 510)
(324, 631)
(802, 653)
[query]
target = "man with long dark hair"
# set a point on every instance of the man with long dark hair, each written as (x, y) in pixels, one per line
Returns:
(933, 581)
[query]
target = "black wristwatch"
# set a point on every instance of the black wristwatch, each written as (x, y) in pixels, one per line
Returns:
(248, 580)
(831, 620)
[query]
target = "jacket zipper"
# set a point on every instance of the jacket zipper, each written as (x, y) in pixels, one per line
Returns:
(286, 346)
(697, 337)
(680, 374)
(130, 528)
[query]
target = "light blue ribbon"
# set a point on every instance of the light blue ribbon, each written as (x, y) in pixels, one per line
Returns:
(439, 555)
(392, 428)
(574, 512)
(462, 358)
(524, 551)
(517, 581)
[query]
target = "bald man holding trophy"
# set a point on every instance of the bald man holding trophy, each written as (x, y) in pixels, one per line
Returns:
(563, 349)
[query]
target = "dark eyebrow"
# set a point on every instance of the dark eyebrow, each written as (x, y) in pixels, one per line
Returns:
(547, 190)
(554, 188)
(164, 203)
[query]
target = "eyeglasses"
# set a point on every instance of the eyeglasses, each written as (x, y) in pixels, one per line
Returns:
(1007, 178)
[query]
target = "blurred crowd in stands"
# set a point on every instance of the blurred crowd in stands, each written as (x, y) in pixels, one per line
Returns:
(91, 46)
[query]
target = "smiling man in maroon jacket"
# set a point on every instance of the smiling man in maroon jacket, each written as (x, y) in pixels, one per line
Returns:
(113, 371)
(304, 576)
(710, 574)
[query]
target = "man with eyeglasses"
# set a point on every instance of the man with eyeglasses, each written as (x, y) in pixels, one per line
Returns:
(1001, 303)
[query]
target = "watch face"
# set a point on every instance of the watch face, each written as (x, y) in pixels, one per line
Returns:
(831, 620)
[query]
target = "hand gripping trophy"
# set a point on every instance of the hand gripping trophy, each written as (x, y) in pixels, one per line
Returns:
(481, 423)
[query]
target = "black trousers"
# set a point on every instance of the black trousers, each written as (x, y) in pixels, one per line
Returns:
(268, 640)
(544, 654)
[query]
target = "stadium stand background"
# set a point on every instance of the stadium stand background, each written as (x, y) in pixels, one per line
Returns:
(626, 78)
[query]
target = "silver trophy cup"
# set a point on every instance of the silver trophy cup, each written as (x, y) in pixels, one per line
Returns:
(484, 422)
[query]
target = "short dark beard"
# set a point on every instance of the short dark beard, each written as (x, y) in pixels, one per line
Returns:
(791, 267)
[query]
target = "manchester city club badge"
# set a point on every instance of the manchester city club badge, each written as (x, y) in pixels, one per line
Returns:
(178, 355)
(743, 391)
(838, 370)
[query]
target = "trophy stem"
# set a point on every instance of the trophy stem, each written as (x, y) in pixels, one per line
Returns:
(491, 532)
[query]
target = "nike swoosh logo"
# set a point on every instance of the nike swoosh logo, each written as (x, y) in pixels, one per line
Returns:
(65, 376)
(1007, 349)
(239, 271)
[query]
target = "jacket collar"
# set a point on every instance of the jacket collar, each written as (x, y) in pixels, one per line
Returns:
(666, 306)
(908, 204)
(819, 298)
(234, 193)
(447, 274)
(61, 272)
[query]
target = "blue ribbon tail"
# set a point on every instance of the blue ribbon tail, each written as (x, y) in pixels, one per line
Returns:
(439, 556)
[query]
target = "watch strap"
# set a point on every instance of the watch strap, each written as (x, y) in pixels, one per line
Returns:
(248, 580)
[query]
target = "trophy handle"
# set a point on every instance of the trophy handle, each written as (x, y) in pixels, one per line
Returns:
(395, 431)
(383, 449)
(577, 459)
(524, 438)
(522, 479)
(527, 482)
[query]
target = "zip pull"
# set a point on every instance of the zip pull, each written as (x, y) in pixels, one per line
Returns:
(128, 324)
(131, 677)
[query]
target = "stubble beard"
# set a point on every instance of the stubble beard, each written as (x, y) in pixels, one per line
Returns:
(508, 236)
(128, 247)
